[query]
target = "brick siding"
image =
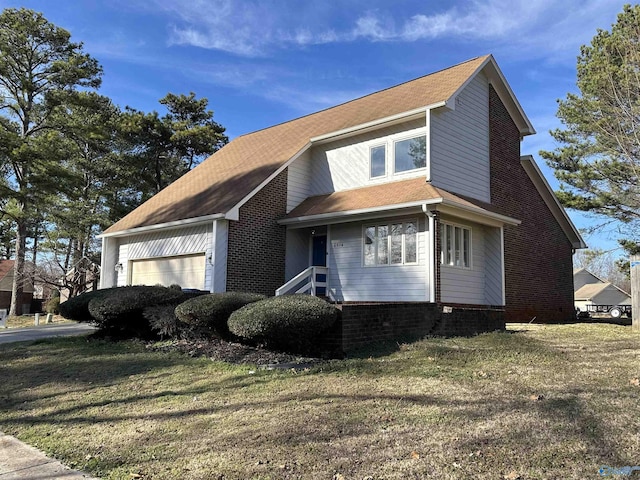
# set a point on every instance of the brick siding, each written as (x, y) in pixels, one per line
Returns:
(360, 324)
(256, 252)
(538, 255)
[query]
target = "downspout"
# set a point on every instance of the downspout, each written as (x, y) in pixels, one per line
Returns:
(431, 260)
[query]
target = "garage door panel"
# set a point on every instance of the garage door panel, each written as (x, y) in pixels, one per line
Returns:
(187, 271)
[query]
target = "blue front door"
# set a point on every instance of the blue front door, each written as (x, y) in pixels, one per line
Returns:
(319, 259)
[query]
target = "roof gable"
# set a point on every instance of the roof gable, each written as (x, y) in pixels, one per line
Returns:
(6, 275)
(230, 176)
(6, 266)
(545, 191)
(592, 290)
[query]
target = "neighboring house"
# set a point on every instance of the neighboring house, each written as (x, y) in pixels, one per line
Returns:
(6, 286)
(592, 290)
(412, 202)
(82, 277)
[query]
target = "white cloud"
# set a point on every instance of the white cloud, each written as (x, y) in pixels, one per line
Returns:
(251, 28)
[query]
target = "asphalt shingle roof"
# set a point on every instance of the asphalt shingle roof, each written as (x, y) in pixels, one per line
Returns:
(229, 175)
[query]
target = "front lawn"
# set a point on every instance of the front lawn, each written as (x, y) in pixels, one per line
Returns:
(542, 402)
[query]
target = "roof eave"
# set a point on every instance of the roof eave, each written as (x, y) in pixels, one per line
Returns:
(351, 215)
(476, 214)
(458, 210)
(163, 226)
(504, 91)
(375, 124)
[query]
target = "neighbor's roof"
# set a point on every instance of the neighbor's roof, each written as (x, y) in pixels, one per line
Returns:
(414, 192)
(229, 176)
(6, 266)
(590, 290)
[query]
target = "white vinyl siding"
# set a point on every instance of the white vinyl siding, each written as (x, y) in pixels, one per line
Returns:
(108, 275)
(298, 180)
(459, 142)
(493, 266)
(350, 280)
(177, 242)
(216, 279)
(345, 164)
(466, 285)
(298, 252)
(481, 284)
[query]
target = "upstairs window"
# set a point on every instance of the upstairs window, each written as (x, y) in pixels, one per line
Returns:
(397, 155)
(456, 245)
(391, 244)
(410, 154)
(378, 161)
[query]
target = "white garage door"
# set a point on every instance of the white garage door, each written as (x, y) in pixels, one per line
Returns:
(186, 271)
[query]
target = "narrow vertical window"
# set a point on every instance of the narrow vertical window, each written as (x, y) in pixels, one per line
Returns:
(396, 244)
(466, 247)
(370, 246)
(378, 162)
(382, 240)
(457, 236)
(449, 244)
(410, 243)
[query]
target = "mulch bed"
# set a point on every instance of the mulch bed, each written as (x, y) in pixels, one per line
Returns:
(236, 353)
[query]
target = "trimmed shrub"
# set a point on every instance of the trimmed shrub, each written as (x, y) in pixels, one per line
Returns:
(77, 308)
(162, 318)
(119, 312)
(290, 322)
(208, 314)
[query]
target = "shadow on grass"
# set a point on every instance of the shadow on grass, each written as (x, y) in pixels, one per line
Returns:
(268, 417)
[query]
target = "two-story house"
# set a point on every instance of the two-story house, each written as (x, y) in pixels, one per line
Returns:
(410, 207)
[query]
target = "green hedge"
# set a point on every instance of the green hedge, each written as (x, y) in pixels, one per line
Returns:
(290, 322)
(119, 311)
(208, 314)
(162, 318)
(77, 308)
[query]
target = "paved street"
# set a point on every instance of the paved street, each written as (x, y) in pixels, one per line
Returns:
(9, 335)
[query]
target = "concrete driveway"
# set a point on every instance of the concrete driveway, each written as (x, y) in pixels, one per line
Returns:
(9, 335)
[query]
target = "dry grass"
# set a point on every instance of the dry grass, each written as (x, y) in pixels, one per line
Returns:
(22, 321)
(544, 402)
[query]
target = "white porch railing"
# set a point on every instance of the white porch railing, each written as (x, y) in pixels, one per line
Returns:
(311, 285)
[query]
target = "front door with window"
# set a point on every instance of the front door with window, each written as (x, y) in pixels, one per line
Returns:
(319, 259)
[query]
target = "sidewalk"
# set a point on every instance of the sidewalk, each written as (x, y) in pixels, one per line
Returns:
(19, 461)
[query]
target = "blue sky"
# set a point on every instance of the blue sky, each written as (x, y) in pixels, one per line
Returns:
(264, 62)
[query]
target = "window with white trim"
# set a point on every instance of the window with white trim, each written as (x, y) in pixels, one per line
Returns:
(391, 244)
(456, 245)
(399, 154)
(378, 161)
(409, 154)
